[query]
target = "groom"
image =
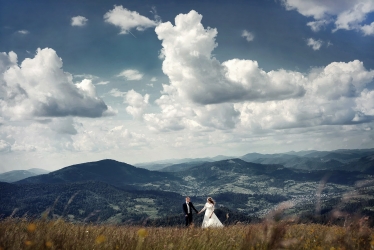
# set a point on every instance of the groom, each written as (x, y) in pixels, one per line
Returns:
(187, 206)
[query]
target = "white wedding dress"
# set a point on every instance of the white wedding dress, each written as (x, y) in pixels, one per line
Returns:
(213, 221)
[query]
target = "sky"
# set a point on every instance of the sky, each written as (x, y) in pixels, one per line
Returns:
(141, 81)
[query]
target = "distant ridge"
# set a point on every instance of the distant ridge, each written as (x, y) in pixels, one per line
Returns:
(16, 175)
(108, 171)
(342, 159)
(181, 166)
(162, 164)
(307, 159)
(38, 171)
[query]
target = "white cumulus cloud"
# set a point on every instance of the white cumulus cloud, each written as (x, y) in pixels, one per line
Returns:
(126, 20)
(79, 21)
(38, 87)
(368, 29)
(196, 75)
(335, 95)
(137, 104)
(131, 75)
(365, 102)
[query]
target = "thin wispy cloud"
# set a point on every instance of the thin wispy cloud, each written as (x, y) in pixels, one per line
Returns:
(315, 44)
(86, 76)
(318, 25)
(248, 35)
(117, 93)
(346, 15)
(102, 83)
(23, 32)
(155, 15)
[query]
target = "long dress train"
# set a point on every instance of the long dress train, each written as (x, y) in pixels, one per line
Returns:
(213, 221)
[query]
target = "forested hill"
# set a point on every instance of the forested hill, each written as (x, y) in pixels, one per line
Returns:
(109, 171)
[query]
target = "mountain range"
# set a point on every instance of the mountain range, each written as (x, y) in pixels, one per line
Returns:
(342, 159)
(250, 186)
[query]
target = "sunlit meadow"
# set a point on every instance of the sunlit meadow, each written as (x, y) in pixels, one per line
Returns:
(58, 234)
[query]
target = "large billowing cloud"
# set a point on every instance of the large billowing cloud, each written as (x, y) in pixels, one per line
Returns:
(197, 76)
(346, 14)
(204, 94)
(127, 20)
(336, 95)
(38, 87)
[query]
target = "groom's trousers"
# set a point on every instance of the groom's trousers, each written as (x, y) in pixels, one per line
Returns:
(188, 219)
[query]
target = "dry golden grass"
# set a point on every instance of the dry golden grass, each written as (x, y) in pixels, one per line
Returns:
(57, 234)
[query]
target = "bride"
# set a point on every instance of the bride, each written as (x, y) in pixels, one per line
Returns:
(210, 218)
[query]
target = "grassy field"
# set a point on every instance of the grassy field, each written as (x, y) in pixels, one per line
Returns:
(57, 234)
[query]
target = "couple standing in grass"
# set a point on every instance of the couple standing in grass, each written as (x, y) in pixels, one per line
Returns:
(210, 218)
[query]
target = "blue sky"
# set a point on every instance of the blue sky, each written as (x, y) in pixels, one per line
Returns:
(139, 81)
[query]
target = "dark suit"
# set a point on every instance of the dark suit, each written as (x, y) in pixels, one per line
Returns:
(188, 216)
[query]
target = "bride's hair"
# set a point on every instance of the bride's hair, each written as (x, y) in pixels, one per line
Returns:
(210, 199)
